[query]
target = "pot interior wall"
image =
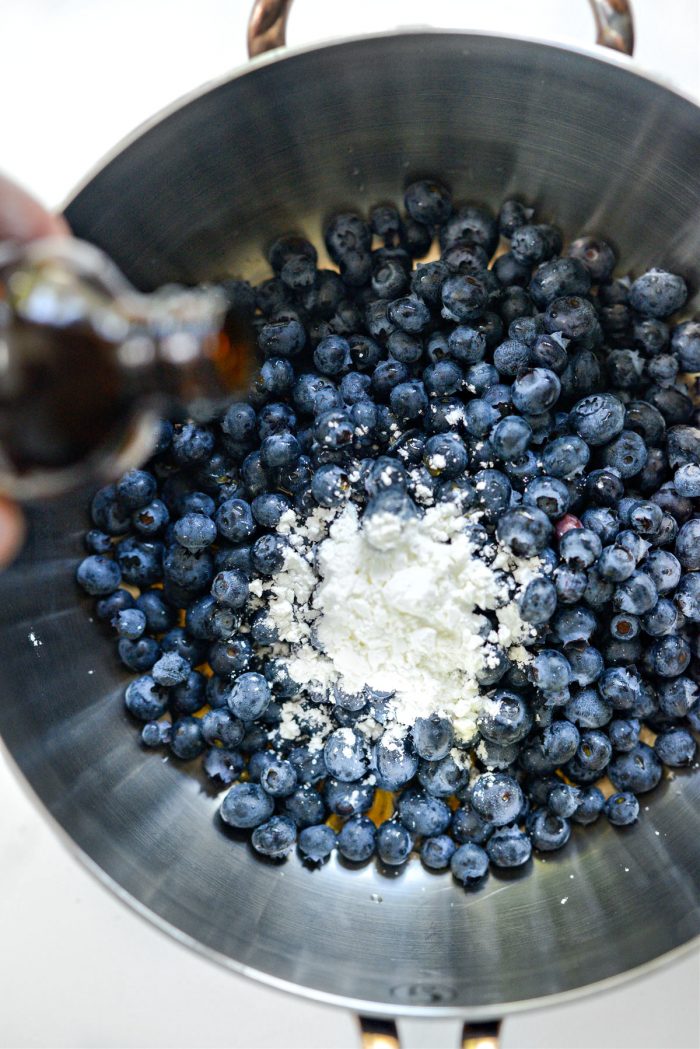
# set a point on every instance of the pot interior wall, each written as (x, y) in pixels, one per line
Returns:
(198, 195)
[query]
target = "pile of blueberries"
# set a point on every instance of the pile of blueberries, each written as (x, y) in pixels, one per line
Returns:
(538, 389)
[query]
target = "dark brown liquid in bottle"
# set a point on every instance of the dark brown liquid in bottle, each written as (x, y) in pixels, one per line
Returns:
(68, 398)
(81, 353)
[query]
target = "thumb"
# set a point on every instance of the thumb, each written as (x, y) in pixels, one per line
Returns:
(12, 530)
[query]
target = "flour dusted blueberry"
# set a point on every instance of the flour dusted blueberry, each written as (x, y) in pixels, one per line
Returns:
(437, 578)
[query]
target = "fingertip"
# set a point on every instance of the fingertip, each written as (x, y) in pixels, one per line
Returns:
(12, 531)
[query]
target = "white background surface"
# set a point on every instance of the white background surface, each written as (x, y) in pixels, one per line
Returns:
(77, 968)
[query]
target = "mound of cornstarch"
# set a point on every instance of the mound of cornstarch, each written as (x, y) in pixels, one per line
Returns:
(417, 607)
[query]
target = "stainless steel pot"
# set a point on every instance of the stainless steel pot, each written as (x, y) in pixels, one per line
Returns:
(593, 142)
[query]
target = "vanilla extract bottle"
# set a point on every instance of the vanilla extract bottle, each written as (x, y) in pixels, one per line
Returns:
(87, 363)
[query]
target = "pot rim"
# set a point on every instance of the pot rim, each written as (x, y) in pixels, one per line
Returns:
(368, 1008)
(596, 53)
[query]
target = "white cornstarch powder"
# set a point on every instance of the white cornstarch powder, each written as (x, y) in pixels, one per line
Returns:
(414, 607)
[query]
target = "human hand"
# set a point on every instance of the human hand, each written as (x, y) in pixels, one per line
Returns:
(21, 219)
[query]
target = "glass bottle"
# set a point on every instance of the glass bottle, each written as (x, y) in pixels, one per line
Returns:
(87, 363)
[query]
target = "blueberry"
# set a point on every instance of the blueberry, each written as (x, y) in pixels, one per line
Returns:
(497, 798)
(563, 800)
(332, 355)
(223, 766)
(669, 656)
(436, 852)
(676, 697)
(565, 456)
(538, 602)
(357, 839)
(510, 437)
(191, 571)
(129, 623)
(136, 488)
(636, 595)
(330, 485)
(98, 575)
(549, 495)
(586, 664)
(186, 741)
(688, 545)
(624, 627)
(428, 202)
(686, 480)
(658, 293)
(468, 825)
(580, 547)
(138, 655)
(410, 314)
(409, 401)
(151, 519)
(156, 733)
(445, 455)
(316, 843)
(234, 520)
(471, 224)
(170, 669)
(279, 450)
(107, 512)
(596, 255)
(191, 443)
(246, 805)
(534, 243)
(509, 847)
(620, 686)
(525, 530)
(268, 554)
(588, 710)
(675, 747)
(230, 588)
(275, 838)
(423, 814)
(442, 778)
(347, 799)
(548, 831)
(345, 755)
(536, 390)
(622, 809)
(616, 563)
(145, 699)
(572, 315)
(637, 770)
(219, 726)
(442, 379)
(512, 216)
(250, 696)
(426, 282)
(511, 357)
(686, 344)
(195, 532)
(504, 718)
(159, 616)
(394, 843)
(589, 807)
(627, 454)
(559, 277)
(432, 737)
(549, 670)
(464, 297)
(469, 864)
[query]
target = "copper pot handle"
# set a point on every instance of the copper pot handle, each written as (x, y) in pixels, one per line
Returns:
(419, 1033)
(268, 24)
